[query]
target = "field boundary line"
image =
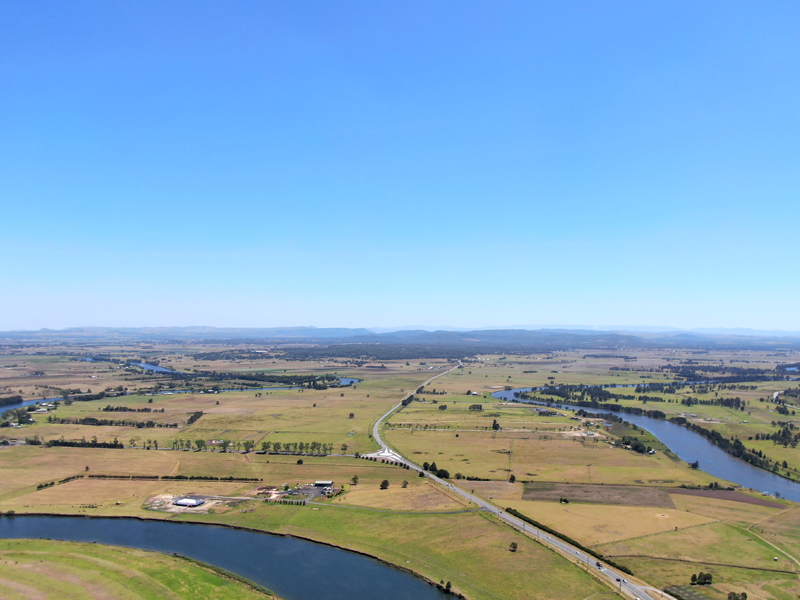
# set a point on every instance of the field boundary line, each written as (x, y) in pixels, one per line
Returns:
(640, 537)
(779, 549)
(699, 562)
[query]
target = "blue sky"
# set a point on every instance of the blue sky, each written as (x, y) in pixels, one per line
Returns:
(393, 163)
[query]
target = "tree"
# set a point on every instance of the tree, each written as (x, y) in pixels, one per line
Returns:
(495, 424)
(443, 474)
(443, 407)
(405, 484)
(248, 445)
(352, 415)
(512, 478)
(448, 586)
(513, 547)
(695, 465)
(426, 465)
(385, 484)
(299, 461)
(344, 447)
(354, 480)
(434, 468)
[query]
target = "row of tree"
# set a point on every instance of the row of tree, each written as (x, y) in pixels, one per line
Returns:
(95, 422)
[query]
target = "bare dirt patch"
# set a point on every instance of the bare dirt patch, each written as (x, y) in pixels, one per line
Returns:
(731, 495)
(626, 495)
(165, 503)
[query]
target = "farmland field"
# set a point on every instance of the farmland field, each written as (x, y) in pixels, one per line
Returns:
(624, 504)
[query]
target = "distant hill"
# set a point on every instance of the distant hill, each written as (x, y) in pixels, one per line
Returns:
(447, 342)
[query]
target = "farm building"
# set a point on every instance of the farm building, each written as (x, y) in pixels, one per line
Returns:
(323, 484)
(189, 502)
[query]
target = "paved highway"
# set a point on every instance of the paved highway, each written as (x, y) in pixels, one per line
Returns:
(616, 579)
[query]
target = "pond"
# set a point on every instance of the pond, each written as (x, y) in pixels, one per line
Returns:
(294, 569)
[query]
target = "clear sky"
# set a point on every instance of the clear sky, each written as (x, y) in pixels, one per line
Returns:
(392, 163)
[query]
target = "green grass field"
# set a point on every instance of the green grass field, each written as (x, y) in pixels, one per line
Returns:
(44, 569)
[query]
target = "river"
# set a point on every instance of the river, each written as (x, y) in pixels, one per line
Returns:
(294, 569)
(691, 446)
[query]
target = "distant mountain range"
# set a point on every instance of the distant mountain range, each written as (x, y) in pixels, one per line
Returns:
(495, 338)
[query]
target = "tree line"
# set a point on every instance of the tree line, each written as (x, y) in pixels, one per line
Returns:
(95, 422)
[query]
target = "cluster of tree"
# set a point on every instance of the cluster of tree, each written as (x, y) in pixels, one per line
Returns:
(702, 578)
(89, 397)
(384, 352)
(10, 400)
(143, 477)
(734, 403)
(434, 470)
(284, 501)
(721, 374)
(194, 416)
(93, 443)
(567, 539)
(600, 416)
(421, 390)
(786, 435)
(737, 596)
(181, 444)
(633, 410)
(296, 448)
(42, 486)
(635, 444)
(476, 407)
(208, 478)
(109, 408)
(645, 398)
(19, 415)
(93, 421)
(68, 479)
(230, 445)
(234, 355)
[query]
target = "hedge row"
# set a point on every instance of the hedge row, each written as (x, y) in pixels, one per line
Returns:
(178, 477)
